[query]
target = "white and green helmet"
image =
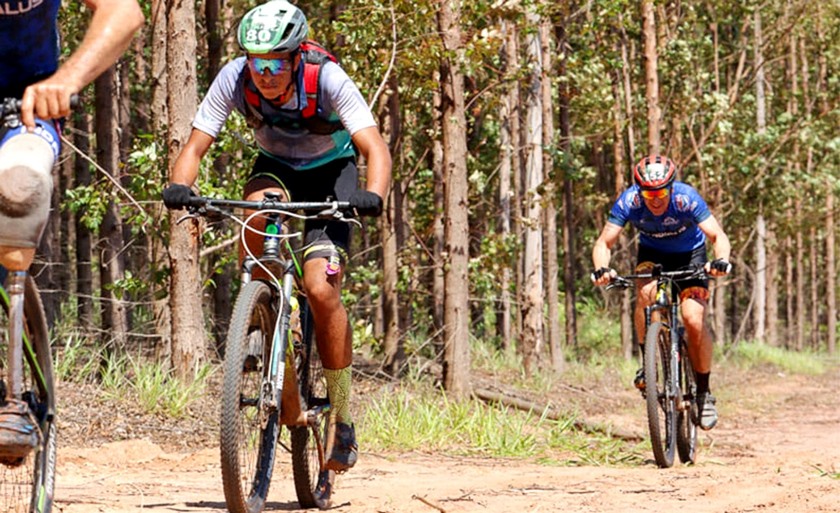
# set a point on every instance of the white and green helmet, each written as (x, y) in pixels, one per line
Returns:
(275, 26)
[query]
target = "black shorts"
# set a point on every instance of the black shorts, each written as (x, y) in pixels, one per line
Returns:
(674, 262)
(334, 181)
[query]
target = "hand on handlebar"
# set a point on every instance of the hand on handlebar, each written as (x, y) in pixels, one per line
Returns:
(177, 196)
(718, 267)
(366, 203)
(48, 99)
(603, 276)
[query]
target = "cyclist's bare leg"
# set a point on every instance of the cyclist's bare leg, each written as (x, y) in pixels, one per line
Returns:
(332, 326)
(700, 345)
(645, 294)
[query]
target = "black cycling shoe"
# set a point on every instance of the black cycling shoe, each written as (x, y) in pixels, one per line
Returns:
(345, 450)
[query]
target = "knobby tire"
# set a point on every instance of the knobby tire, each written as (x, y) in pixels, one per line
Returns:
(312, 484)
(687, 419)
(29, 486)
(660, 408)
(248, 434)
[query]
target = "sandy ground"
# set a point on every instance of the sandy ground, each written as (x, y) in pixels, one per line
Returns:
(776, 449)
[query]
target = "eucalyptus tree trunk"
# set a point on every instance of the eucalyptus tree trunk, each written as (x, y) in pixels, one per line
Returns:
(830, 267)
(550, 213)
(112, 260)
(84, 270)
(814, 286)
(438, 279)
(514, 105)
(773, 267)
(507, 148)
(619, 173)
(760, 289)
(569, 234)
(628, 92)
(456, 375)
(160, 118)
(393, 238)
(188, 337)
(651, 75)
(532, 293)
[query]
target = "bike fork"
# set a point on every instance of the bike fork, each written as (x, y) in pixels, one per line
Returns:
(15, 286)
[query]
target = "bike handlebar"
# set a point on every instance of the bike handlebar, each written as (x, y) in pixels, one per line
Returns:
(11, 106)
(686, 273)
(326, 208)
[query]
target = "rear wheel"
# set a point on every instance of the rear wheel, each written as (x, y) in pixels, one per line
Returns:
(660, 407)
(248, 429)
(686, 425)
(312, 484)
(29, 485)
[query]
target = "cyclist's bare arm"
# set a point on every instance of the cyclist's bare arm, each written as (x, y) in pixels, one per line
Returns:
(602, 251)
(111, 29)
(720, 243)
(371, 145)
(185, 171)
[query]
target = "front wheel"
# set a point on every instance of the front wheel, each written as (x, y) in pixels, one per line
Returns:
(28, 486)
(249, 430)
(686, 421)
(660, 407)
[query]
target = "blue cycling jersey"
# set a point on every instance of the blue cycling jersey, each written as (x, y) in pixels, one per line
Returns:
(29, 44)
(676, 230)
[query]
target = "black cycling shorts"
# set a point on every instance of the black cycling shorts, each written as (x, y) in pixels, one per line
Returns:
(674, 262)
(334, 181)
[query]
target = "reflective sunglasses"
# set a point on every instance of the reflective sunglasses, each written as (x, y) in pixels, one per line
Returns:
(274, 66)
(657, 194)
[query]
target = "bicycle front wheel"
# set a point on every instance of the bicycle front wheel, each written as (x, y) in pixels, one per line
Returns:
(686, 421)
(313, 484)
(660, 407)
(28, 486)
(249, 429)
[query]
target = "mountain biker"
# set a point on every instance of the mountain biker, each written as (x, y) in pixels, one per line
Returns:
(673, 222)
(303, 158)
(30, 71)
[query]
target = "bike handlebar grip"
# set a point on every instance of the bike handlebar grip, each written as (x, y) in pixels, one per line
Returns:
(721, 265)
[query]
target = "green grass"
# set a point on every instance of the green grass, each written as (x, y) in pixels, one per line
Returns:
(749, 355)
(412, 417)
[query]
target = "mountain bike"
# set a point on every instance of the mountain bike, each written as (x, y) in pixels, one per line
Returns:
(272, 371)
(670, 380)
(26, 379)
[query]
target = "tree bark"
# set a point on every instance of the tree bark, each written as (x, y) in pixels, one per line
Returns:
(188, 336)
(532, 292)
(551, 257)
(760, 290)
(651, 76)
(507, 138)
(456, 222)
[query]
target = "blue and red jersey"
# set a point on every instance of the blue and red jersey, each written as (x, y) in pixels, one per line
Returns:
(676, 230)
(29, 43)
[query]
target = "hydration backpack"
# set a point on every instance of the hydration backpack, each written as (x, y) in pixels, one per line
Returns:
(313, 56)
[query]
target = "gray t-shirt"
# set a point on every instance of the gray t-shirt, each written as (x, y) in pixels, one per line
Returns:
(298, 148)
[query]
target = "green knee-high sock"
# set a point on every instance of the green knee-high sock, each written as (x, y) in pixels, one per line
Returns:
(338, 388)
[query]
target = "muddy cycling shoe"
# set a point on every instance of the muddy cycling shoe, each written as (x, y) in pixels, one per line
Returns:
(639, 380)
(345, 450)
(707, 411)
(18, 432)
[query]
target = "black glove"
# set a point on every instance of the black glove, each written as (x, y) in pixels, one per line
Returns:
(177, 196)
(597, 273)
(721, 265)
(366, 203)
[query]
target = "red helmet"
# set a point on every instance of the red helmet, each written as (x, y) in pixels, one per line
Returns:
(655, 172)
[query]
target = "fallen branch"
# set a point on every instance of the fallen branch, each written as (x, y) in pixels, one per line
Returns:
(548, 412)
(428, 503)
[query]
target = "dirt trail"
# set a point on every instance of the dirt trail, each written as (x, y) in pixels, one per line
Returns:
(782, 454)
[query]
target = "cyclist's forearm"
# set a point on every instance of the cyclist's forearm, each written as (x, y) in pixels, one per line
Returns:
(112, 27)
(723, 248)
(601, 255)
